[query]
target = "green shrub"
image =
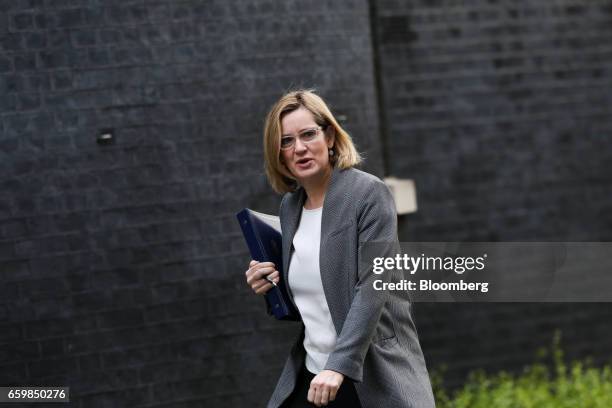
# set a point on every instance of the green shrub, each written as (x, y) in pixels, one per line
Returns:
(577, 385)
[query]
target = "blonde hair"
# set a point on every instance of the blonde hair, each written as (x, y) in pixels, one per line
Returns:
(345, 154)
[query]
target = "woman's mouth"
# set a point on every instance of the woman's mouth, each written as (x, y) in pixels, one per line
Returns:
(303, 163)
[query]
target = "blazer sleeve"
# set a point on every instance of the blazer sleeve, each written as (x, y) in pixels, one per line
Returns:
(377, 222)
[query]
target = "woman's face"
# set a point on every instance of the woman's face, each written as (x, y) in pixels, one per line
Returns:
(308, 158)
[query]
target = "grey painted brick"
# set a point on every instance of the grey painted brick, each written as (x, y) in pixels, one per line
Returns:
(120, 318)
(49, 367)
(25, 62)
(462, 83)
(51, 347)
(94, 16)
(11, 332)
(8, 104)
(82, 38)
(69, 18)
(7, 250)
(10, 83)
(5, 65)
(4, 23)
(22, 21)
(88, 363)
(12, 373)
(98, 57)
(121, 260)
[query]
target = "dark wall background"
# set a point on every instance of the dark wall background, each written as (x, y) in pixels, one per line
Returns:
(121, 266)
(501, 113)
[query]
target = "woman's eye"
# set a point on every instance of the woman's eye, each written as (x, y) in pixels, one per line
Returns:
(309, 134)
(286, 141)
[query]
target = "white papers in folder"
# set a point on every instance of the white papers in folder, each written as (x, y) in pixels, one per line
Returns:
(271, 220)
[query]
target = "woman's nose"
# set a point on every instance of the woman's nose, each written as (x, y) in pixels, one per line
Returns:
(299, 145)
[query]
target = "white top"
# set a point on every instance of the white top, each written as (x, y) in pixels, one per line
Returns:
(307, 287)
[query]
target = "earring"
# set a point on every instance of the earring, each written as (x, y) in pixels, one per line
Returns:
(331, 152)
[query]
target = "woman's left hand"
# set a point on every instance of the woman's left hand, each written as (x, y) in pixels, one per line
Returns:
(324, 386)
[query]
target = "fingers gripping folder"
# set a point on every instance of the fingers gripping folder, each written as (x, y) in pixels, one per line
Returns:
(262, 233)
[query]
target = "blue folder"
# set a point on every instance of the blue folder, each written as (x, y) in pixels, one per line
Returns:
(262, 233)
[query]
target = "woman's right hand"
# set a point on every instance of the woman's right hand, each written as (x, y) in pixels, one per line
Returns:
(256, 274)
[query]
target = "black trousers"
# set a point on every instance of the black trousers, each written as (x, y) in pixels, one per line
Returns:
(346, 397)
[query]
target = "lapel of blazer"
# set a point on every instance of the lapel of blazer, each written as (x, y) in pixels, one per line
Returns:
(334, 284)
(330, 219)
(293, 211)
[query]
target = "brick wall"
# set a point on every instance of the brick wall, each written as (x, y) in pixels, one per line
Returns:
(122, 266)
(500, 112)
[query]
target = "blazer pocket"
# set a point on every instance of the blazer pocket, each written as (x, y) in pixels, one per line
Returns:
(386, 335)
(342, 228)
(386, 342)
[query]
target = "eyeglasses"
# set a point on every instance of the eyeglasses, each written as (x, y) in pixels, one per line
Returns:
(306, 136)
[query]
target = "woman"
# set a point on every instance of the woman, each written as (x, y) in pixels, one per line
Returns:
(358, 346)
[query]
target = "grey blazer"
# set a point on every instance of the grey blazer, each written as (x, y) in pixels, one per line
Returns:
(377, 345)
